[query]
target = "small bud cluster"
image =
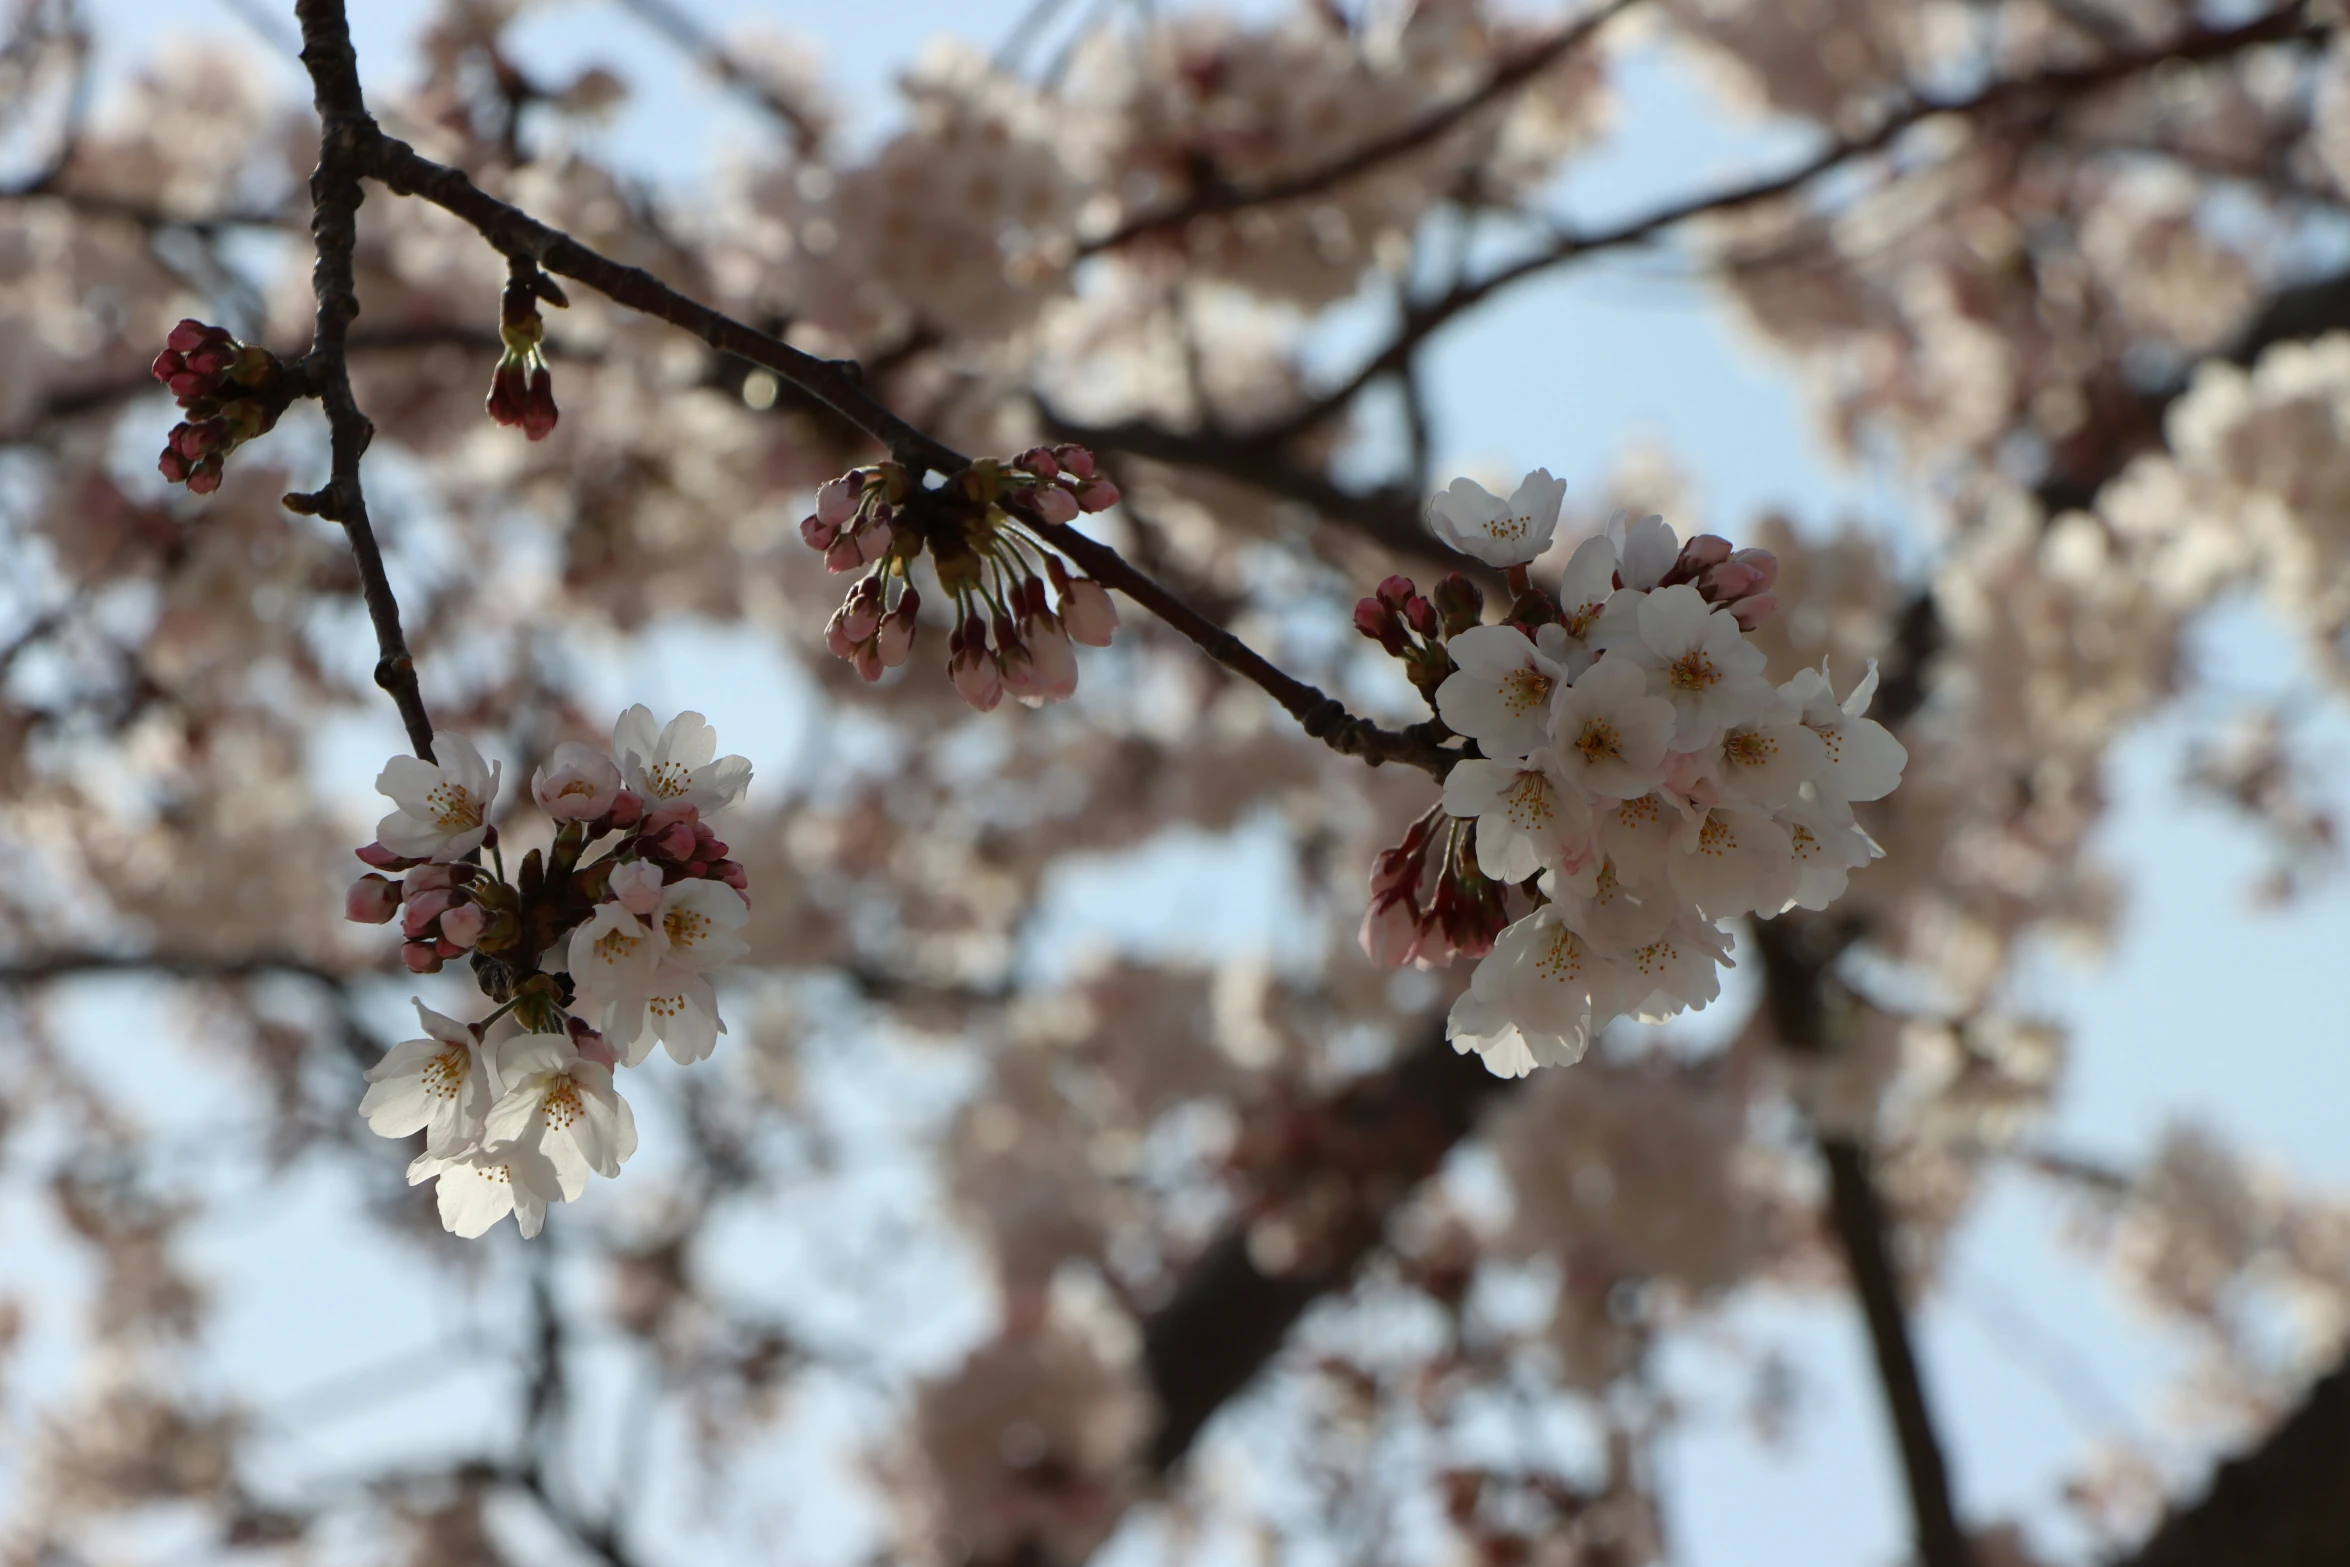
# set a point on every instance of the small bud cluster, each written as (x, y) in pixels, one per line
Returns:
(1633, 779)
(230, 393)
(981, 531)
(522, 391)
(590, 963)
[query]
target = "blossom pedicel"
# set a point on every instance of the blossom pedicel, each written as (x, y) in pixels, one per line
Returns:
(1634, 775)
(590, 964)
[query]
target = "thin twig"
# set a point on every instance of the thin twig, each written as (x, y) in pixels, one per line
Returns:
(1215, 199)
(335, 194)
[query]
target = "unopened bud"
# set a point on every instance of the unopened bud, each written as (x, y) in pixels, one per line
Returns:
(837, 500)
(1096, 495)
(1038, 460)
(1753, 611)
(1421, 616)
(461, 927)
(372, 900)
(421, 957)
(1076, 459)
(1459, 603)
(1057, 505)
(383, 859)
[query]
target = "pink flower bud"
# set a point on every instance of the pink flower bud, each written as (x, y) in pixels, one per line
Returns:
(167, 364)
(837, 500)
(1380, 623)
(837, 640)
(976, 678)
(1055, 504)
(874, 540)
(818, 534)
(861, 611)
(732, 873)
(628, 808)
(509, 390)
(383, 859)
(429, 878)
(843, 556)
(1076, 459)
(1039, 461)
(1055, 661)
(867, 662)
(1752, 612)
(1088, 613)
(1390, 934)
(421, 957)
(1697, 556)
(637, 885)
(422, 910)
(675, 811)
(461, 927)
(538, 405)
(896, 638)
(372, 900)
(446, 949)
(1096, 495)
(189, 335)
(578, 784)
(205, 477)
(172, 466)
(675, 842)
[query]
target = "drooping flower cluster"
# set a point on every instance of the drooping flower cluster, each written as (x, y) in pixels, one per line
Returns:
(229, 391)
(590, 964)
(981, 529)
(1633, 772)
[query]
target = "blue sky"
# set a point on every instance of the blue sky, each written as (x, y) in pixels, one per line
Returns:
(2202, 1005)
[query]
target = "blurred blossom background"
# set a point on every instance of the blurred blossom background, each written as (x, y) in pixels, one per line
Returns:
(1069, 1187)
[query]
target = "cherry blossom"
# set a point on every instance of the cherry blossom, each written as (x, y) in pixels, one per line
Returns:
(561, 1104)
(1501, 693)
(1475, 521)
(438, 1085)
(477, 1188)
(443, 808)
(1611, 732)
(1702, 664)
(679, 762)
(1529, 818)
(578, 783)
(1859, 759)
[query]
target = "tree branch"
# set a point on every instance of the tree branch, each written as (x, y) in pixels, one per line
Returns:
(1215, 198)
(335, 194)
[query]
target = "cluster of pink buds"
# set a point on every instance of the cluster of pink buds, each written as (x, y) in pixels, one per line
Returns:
(230, 393)
(1740, 580)
(445, 911)
(1429, 900)
(985, 531)
(522, 392)
(1413, 628)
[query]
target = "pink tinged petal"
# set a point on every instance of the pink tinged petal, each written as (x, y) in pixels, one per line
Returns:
(1088, 612)
(461, 927)
(372, 900)
(1055, 504)
(420, 958)
(637, 885)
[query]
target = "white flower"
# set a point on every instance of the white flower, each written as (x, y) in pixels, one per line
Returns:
(1611, 734)
(439, 1086)
(1584, 591)
(1475, 521)
(1609, 913)
(681, 1012)
(479, 1187)
(577, 784)
(1645, 549)
(1862, 760)
(1500, 695)
(562, 1105)
(611, 961)
(1637, 838)
(1536, 999)
(676, 763)
(1528, 818)
(1681, 970)
(1703, 664)
(1729, 861)
(1826, 847)
(696, 922)
(444, 810)
(1765, 761)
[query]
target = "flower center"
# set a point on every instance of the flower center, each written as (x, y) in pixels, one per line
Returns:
(1749, 748)
(1692, 671)
(1635, 814)
(668, 779)
(1579, 621)
(444, 1074)
(1715, 838)
(1528, 802)
(615, 947)
(1524, 690)
(685, 927)
(1599, 742)
(666, 1008)
(561, 1107)
(1801, 837)
(452, 808)
(1510, 529)
(1655, 958)
(1562, 959)
(1833, 739)
(576, 786)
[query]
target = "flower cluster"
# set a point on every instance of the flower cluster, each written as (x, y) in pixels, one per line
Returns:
(1633, 772)
(590, 963)
(522, 391)
(229, 391)
(982, 529)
